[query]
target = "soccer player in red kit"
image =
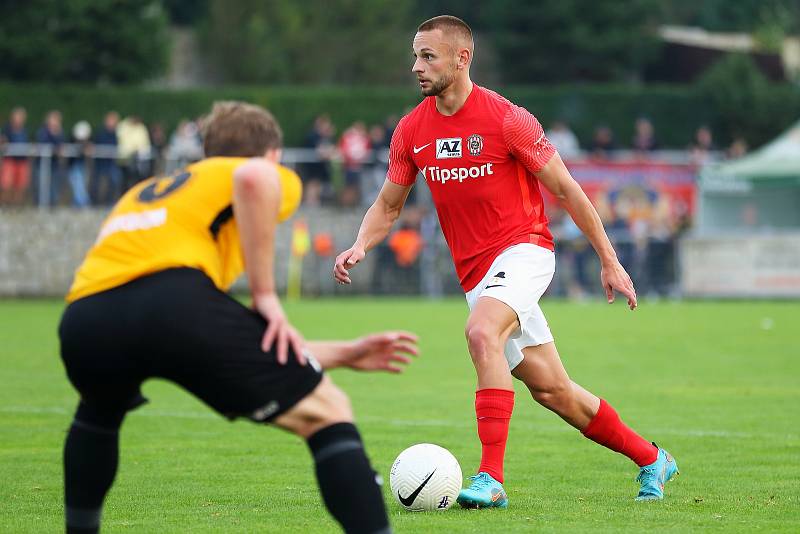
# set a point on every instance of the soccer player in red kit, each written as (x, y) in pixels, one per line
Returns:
(483, 159)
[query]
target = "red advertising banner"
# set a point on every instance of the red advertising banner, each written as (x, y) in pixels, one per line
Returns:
(635, 189)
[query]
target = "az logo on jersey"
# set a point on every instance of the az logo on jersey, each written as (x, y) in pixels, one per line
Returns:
(449, 147)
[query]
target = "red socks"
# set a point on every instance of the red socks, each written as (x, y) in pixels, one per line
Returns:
(493, 408)
(607, 429)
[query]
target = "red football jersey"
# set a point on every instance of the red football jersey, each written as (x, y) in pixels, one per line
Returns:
(479, 164)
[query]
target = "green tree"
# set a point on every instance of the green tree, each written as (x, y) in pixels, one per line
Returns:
(119, 41)
(571, 39)
(744, 102)
(316, 41)
(738, 16)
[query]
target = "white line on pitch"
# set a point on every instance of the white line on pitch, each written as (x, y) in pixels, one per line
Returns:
(147, 412)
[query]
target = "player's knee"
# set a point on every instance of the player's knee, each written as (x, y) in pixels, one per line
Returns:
(324, 406)
(557, 396)
(482, 341)
(98, 419)
(338, 402)
(334, 408)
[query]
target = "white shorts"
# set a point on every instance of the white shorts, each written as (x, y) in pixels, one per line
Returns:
(519, 277)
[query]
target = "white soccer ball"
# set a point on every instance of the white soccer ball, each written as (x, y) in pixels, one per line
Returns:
(425, 477)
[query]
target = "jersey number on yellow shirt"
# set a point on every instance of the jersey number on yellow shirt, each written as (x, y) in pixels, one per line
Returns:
(163, 187)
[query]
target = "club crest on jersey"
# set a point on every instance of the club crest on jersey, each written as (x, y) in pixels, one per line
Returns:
(475, 144)
(449, 147)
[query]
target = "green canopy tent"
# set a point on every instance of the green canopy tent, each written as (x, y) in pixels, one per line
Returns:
(746, 241)
(759, 192)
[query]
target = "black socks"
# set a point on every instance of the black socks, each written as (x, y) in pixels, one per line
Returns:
(90, 464)
(349, 486)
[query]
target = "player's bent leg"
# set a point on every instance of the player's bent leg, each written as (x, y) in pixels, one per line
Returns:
(548, 382)
(543, 373)
(350, 487)
(91, 454)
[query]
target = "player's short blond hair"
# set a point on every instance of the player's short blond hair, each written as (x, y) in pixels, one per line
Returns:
(239, 129)
(449, 24)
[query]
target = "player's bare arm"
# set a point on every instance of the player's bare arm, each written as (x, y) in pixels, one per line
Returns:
(374, 228)
(557, 179)
(381, 351)
(256, 200)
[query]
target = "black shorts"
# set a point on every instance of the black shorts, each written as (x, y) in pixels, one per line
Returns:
(177, 325)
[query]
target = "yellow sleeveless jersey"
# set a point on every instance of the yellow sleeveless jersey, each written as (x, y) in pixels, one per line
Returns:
(183, 220)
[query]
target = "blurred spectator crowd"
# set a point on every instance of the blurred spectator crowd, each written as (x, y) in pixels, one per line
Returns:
(92, 165)
(87, 165)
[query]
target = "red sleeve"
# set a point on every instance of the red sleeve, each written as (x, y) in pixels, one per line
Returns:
(402, 170)
(525, 139)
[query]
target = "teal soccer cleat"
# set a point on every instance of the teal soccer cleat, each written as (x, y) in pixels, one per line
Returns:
(484, 492)
(653, 477)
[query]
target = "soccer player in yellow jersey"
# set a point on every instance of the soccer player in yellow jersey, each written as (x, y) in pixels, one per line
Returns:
(150, 300)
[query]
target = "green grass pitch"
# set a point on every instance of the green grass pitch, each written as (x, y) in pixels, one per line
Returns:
(717, 384)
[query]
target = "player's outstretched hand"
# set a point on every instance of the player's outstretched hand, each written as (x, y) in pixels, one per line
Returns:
(382, 352)
(615, 278)
(345, 261)
(278, 329)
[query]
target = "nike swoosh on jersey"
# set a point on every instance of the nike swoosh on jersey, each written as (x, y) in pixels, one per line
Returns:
(420, 149)
(408, 501)
(495, 285)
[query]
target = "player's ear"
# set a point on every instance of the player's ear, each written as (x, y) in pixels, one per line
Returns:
(274, 155)
(464, 57)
